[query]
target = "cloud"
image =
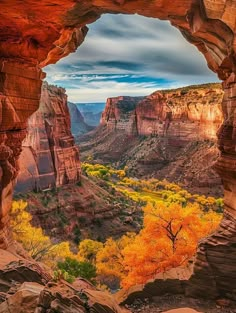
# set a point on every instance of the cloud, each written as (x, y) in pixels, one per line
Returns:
(129, 55)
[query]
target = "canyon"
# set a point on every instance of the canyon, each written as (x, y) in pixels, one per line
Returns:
(167, 135)
(91, 112)
(190, 113)
(34, 34)
(64, 204)
(78, 123)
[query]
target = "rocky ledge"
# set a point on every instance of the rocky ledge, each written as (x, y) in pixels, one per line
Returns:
(26, 287)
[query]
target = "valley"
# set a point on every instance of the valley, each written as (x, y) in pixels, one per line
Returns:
(175, 219)
(149, 157)
(167, 135)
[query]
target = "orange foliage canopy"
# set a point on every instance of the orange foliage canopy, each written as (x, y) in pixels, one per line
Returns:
(168, 240)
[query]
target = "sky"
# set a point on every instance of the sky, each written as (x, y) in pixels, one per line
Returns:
(129, 55)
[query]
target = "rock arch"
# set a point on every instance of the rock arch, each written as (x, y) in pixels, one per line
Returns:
(36, 33)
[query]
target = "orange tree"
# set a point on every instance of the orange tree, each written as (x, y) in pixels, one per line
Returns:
(168, 240)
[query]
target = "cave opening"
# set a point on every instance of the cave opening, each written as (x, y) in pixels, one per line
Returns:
(194, 23)
(165, 125)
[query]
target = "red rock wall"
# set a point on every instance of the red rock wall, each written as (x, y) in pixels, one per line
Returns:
(42, 32)
(20, 87)
(119, 114)
(187, 114)
(49, 157)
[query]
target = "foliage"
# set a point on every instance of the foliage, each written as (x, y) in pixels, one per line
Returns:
(77, 269)
(168, 240)
(174, 222)
(102, 171)
(33, 239)
(109, 261)
(61, 274)
(88, 250)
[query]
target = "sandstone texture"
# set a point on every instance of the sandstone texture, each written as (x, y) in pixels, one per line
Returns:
(191, 113)
(172, 282)
(49, 157)
(27, 288)
(167, 135)
(120, 114)
(37, 33)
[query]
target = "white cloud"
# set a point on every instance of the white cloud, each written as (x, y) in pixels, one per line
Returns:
(122, 45)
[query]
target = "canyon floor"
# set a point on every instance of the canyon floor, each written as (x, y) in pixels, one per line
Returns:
(189, 165)
(170, 302)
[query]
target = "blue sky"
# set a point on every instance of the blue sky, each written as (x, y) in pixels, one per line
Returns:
(129, 55)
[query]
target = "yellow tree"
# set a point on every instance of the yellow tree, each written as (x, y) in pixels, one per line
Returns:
(38, 245)
(168, 240)
(109, 261)
(88, 249)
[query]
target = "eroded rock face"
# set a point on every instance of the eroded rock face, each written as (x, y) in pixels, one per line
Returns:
(28, 288)
(20, 87)
(120, 114)
(187, 114)
(49, 157)
(43, 32)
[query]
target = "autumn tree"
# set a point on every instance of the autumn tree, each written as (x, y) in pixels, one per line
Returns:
(88, 249)
(168, 240)
(35, 242)
(109, 261)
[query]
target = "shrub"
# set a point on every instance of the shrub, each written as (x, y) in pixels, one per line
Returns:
(78, 269)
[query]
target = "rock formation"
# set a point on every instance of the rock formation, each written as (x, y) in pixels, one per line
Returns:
(78, 125)
(37, 33)
(27, 288)
(167, 135)
(49, 157)
(192, 113)
(120, 114)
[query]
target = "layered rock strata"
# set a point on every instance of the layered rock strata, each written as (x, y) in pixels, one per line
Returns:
(34, 34)
(120, 114)
(192, 113)
(49, 157)
(27, 288)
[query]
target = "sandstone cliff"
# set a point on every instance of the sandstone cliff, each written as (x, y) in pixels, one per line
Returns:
(185, 113)
(168, 135)
(120, 114)
(49, 157)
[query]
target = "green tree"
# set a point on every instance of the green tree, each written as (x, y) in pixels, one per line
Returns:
(78, 269)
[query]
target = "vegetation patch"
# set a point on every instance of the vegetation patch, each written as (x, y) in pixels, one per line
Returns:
(173, 222)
